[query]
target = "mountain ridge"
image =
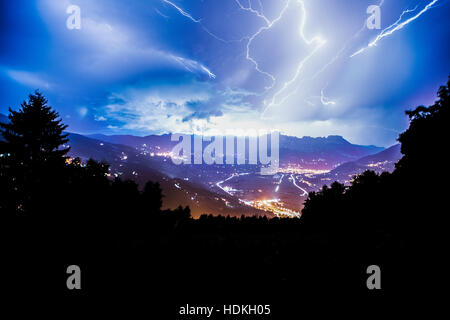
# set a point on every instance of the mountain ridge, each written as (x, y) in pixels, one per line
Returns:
(326, 152)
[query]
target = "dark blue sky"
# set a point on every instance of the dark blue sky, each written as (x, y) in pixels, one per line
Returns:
(156, 66)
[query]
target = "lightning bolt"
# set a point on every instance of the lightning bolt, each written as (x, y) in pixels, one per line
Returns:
(268, 25)
(199, 21)
(319, 43)
(261, 6)
(210, 74)
(325, 101)
(395, 27)
(184, 13)
(191, 66)
(256, 12)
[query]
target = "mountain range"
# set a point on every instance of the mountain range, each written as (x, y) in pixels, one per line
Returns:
(323, 152)
(203, 187)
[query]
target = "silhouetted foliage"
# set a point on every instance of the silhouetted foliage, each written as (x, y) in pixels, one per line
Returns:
(31, 153)
(392, 220)
(152, 196)
(38, 180)
(395, 218)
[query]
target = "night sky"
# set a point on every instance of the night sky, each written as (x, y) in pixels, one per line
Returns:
(155, 66)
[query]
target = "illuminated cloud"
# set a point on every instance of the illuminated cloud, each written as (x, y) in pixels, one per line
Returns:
(82, 111)
(29, 79)
(146, 67)
(100, 118)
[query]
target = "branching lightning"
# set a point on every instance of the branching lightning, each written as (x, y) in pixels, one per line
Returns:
(395, 27)
(199, 21)
(319, 43)
(268, 25)
(254, 11)
(184, 13)
(291, 86)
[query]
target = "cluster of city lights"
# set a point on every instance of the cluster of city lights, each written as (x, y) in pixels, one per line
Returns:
(273, 205)
(299, 170)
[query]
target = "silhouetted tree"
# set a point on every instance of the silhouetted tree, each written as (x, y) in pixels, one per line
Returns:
(152, 197)
(31, 152)
(397, 219)
(423, 142)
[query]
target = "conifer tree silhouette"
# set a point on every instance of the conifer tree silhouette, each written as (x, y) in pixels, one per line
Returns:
(31, 150)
